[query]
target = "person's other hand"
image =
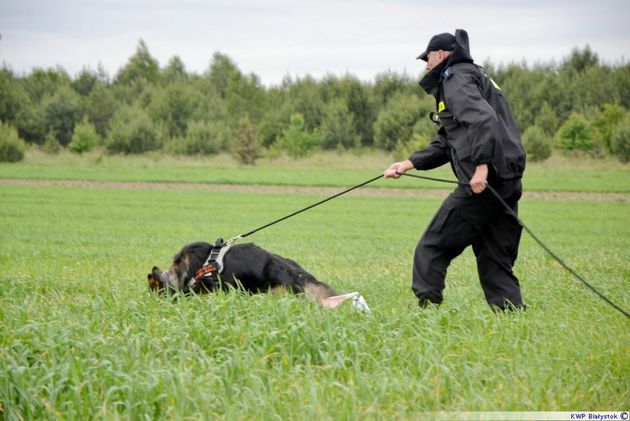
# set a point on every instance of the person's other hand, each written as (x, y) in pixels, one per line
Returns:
(478, 182)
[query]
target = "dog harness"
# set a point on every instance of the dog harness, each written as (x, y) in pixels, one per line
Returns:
(213, 266)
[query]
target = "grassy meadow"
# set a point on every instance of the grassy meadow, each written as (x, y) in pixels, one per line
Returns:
(557, 174)
(81, 337)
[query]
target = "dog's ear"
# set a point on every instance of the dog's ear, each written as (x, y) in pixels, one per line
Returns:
(154, 282)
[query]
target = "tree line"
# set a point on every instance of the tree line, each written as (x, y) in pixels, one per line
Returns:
(579, 105)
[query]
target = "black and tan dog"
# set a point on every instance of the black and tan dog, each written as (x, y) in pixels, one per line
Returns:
(244, 266)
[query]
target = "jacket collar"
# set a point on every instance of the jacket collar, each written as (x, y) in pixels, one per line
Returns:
(432, 80)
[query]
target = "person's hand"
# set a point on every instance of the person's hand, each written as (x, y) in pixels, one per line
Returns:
(478, 182)
(397, 168)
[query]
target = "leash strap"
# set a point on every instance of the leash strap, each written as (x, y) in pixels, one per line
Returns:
(247, 234)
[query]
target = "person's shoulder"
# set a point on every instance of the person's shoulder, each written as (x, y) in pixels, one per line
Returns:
(460, 73)
(464, 65)
(463, 69)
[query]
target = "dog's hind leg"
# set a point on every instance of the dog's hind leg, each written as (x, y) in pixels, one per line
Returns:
(290, 274)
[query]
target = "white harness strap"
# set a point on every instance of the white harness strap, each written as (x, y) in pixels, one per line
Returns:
(221, 255)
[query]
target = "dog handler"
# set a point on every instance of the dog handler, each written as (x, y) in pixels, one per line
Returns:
(477, 134)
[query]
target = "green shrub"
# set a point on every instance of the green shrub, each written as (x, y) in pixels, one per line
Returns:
(11, 146)
(423, 132)
(417, 142)
(547, 119)
(132, 132)
(621, 140)
(296, 140)
(247, 148)
(31, 122)
(202, 138)
(84, 138)
(338, 127)
(606, 121)
(537, 144)
(51, 144)
(62, 111)
(270, 129)
(396, 121)
(576, 134)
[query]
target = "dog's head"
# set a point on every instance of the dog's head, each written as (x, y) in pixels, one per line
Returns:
(158, 281)
(155, 281)
(178, 277)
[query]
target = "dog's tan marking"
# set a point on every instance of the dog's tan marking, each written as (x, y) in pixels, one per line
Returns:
(317, 291)
(280, 290)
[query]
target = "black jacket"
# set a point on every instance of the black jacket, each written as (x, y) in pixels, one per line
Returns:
(476, 123)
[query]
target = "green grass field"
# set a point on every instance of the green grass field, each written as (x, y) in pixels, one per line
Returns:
(558, 174)
(81, 337)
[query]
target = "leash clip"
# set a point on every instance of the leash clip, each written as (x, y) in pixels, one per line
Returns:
(234, 239)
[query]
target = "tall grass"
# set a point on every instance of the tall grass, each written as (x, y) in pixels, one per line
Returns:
(82, 337)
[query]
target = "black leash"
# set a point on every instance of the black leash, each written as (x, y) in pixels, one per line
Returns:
(247, 234)
(547, 249)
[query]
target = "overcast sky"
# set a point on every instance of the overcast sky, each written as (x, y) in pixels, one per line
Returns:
(274, 38)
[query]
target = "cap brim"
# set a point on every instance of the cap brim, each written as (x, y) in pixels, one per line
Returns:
(423, 56)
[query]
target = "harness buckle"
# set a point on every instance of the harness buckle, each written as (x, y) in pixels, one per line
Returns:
(443, 119)
(433, 116)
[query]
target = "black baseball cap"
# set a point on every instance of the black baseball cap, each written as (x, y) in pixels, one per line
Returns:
(445, 42)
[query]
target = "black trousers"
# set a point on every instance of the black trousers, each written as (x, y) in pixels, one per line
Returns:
(481, 221)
